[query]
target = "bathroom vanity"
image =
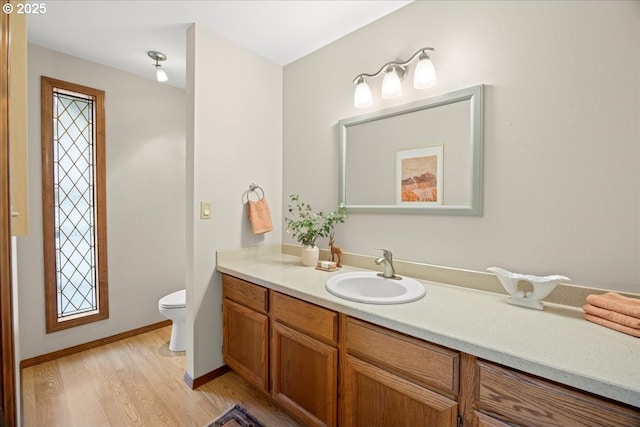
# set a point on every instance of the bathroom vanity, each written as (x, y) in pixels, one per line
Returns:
(456, 357)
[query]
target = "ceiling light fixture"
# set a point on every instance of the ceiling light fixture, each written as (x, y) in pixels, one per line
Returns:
(424, 77)
(159, 56)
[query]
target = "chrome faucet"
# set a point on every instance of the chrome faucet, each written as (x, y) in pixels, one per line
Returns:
(387, 264)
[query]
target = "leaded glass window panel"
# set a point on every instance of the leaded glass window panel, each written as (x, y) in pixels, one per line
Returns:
(73, 139)
(74, 204)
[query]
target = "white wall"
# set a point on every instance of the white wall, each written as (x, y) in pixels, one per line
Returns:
(562, 142)
(16, 329)
(145, 148)
(234, 138)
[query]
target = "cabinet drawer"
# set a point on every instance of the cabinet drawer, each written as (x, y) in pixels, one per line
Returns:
(427, 364)
(374, 397)
(245, 293)
(315, 321)
(524, 399)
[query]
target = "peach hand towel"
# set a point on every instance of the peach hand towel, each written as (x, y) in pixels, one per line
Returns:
(613, 316)
(612, 325)
(616, 302)
(259, 216)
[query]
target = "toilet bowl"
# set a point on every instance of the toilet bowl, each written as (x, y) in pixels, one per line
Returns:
(174, 308)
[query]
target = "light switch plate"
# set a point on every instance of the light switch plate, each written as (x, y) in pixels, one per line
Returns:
(205, 210)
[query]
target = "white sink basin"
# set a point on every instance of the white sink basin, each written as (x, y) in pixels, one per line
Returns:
(368, 287)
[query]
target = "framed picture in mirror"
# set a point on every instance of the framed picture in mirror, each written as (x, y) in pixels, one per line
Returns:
(419, 176)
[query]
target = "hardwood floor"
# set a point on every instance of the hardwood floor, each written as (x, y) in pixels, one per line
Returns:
(133, 382)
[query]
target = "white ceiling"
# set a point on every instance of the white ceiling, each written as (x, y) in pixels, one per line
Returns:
(118, 33)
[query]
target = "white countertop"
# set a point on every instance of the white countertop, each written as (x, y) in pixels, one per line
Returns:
(556, 343)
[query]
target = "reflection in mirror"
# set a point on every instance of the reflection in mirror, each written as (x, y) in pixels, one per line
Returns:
(424, 157)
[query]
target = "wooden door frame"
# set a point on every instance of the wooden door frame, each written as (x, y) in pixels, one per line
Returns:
(7, 357)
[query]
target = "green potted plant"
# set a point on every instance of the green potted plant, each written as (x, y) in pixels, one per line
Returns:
(306, 226)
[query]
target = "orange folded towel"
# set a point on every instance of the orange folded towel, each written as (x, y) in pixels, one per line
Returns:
(613, 316)
(616, 302)
(612, 325)
(259, 216)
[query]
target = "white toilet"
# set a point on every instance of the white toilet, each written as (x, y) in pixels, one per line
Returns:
(174, 308)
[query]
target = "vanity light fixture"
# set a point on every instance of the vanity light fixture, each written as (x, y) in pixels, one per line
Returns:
(362, 98)
(392, 82)
(159, 56)
(424, 77)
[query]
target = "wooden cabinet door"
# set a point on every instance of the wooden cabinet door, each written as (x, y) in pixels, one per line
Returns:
(482, 420)
(374, 397)
(246, 342)
(304, 375)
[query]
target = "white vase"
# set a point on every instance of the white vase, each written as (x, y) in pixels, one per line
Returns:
(310, 256)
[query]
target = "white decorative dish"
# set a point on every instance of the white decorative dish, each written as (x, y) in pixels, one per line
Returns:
(542, 286)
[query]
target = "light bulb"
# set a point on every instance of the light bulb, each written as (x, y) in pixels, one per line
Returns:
(391, 85)
(362, 97)
(161, 75)
(424, 76)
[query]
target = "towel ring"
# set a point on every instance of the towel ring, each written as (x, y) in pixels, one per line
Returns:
(253, 189)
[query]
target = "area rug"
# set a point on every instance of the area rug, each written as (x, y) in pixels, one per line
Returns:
(236, 416)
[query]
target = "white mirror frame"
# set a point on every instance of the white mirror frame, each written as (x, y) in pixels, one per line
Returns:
(475, 96)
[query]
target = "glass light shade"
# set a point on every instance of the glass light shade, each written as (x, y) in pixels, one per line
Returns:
(161, 75)
(391, 85)
(424, 76)
(362, 97)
